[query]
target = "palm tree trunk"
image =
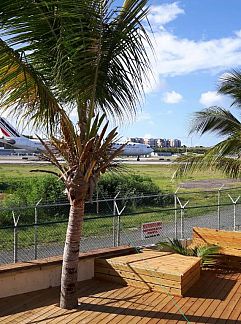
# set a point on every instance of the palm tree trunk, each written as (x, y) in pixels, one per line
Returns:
(68, 296)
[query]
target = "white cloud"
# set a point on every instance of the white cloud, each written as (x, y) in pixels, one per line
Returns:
(210, 98)
(164, 13)
(172, 97)
(176, 56)
(182, 56)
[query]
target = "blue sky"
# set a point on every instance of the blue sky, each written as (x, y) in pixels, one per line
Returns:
(195, 41)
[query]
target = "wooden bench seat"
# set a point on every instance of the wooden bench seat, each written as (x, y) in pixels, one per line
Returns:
(158, 271)
(229, 243)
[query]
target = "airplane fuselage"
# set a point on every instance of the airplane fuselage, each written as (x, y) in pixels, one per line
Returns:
(24, 143)
(12, 137)
(134, 149)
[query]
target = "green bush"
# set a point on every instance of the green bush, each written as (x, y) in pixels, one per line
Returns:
(28, 191)
(110, 184)
(132, 186)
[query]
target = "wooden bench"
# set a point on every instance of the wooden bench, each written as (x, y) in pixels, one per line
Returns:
(156, 271)
(229, 243)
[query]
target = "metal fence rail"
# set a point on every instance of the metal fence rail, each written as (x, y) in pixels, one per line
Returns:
(26, 232)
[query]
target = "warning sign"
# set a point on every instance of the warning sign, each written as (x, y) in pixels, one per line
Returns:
(151, 229)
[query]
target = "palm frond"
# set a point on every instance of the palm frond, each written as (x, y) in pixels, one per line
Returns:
(23, 91)
(92, 54)
(217, 120)
(231, 167)
(208, 254)
(230, 84)
(173, 245)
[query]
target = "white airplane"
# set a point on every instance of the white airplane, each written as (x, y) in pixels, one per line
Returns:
(12, 137)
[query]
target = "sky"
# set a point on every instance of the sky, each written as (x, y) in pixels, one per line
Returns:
(195, 42)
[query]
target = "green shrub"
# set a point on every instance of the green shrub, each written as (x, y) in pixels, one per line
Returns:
(207, 253)
(28, 191)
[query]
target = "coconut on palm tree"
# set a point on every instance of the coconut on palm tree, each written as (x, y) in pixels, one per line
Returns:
(224, 156)
(63, 57)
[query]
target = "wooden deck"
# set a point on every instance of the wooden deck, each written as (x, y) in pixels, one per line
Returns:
(215, 298)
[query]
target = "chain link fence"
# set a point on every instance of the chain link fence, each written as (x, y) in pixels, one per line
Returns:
(33, 232)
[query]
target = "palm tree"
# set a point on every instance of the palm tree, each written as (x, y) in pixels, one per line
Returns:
(222, 122)
(60, 56)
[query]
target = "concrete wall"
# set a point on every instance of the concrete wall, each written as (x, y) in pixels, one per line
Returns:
(22, 281)
(20, 278)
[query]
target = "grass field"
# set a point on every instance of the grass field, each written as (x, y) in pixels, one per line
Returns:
(160, 174)
(19, 170)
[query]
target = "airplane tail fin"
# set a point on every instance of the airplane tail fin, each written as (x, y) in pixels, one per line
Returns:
(7, 129)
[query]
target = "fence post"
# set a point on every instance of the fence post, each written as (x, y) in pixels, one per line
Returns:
(97, 201)
(234, 210)
(36, 230)
(15, 238)
(219, 194)
(182, 216)
(119, 212)
(175, 206)
(114, 220)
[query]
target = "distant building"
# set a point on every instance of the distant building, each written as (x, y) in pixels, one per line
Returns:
(157, 142)
(136, 140)
(175, 143)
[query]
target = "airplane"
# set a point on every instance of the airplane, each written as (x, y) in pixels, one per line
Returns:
(12, 137)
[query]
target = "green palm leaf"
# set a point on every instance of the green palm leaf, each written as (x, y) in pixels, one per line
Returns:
(215, 119)
(90, 54)
(230, 84)
(23, 91)
(224, 156)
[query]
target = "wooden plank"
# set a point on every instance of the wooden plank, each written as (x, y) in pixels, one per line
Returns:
(230, 302)
(141, 307)
(234, 315)
(94, 293)
(161, 261)
(221, 237)
(111, 307)
(213, 290)
(139, 277)
(184, 304)
(150, 313)
(210, 300)
(184, 285)
(170, 270)
(106, 298)
(141, 284)
(120, 305)
(55, 314)
(19, 304)
(142, 271)
(40, 263)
